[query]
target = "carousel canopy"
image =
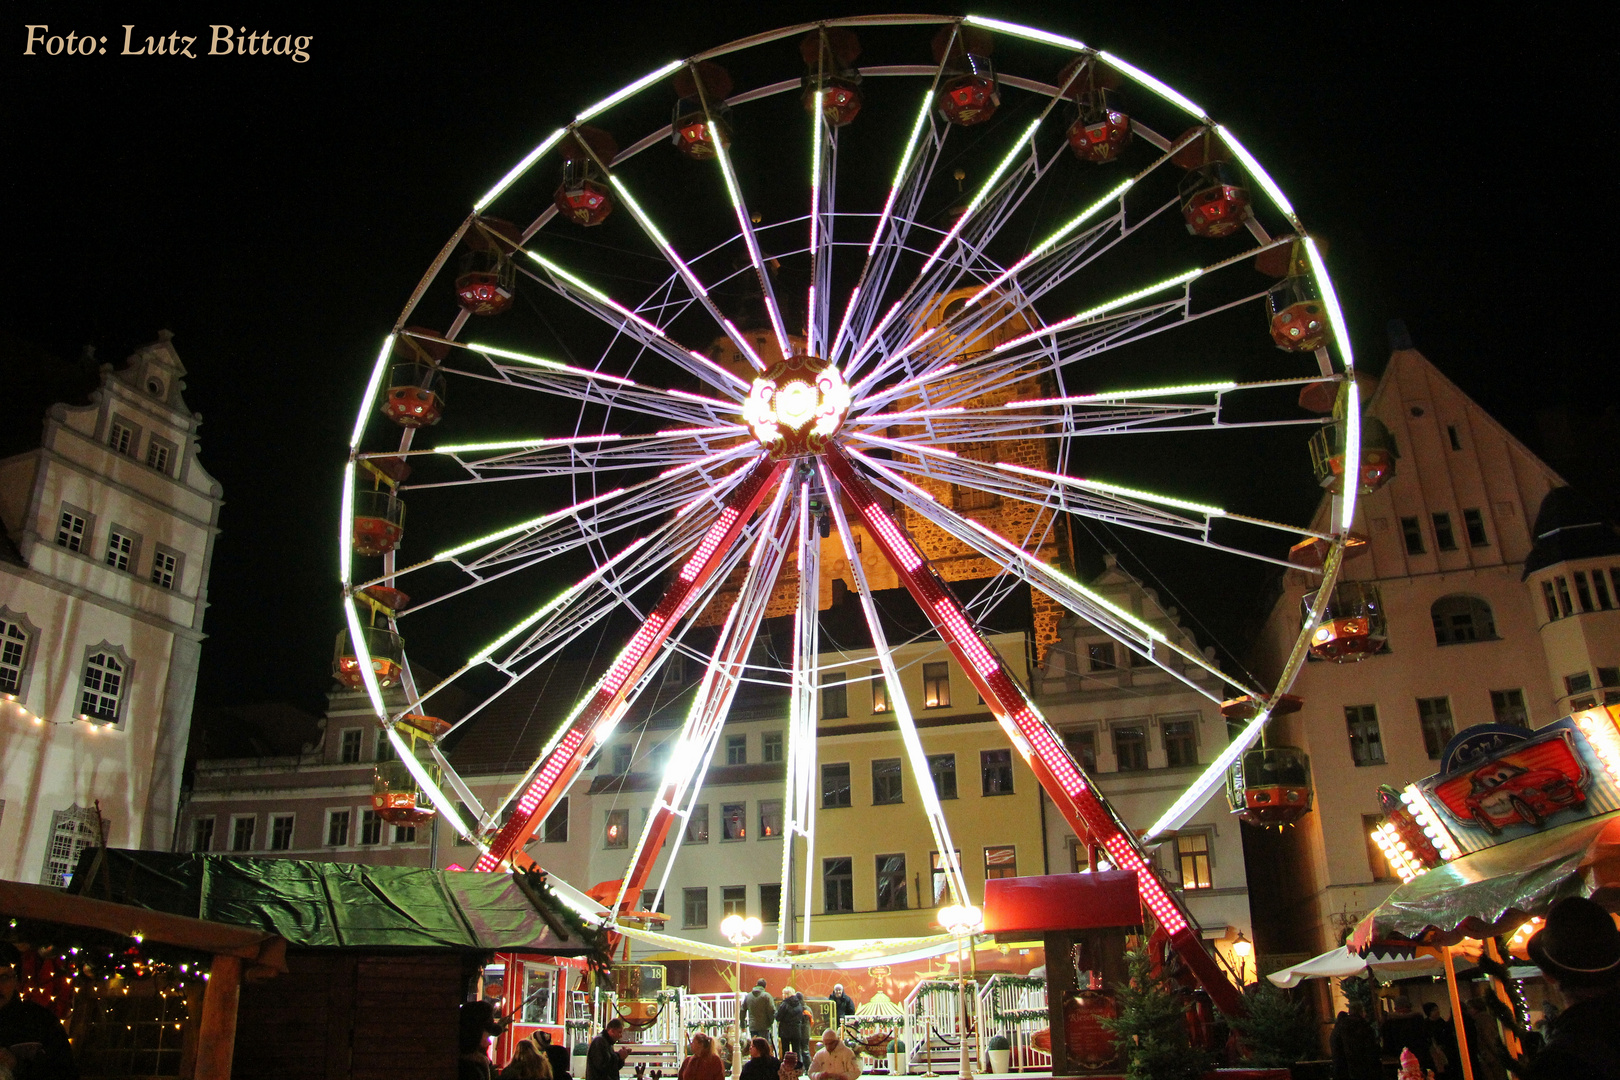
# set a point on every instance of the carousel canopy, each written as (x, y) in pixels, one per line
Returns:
(1492, 891)
(1386, 959)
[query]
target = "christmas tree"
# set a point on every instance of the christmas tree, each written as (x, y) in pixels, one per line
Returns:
(1151, 1029)
(1277, 1031)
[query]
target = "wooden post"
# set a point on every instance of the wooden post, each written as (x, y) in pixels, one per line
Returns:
(1457, 1013)
(216, 1035)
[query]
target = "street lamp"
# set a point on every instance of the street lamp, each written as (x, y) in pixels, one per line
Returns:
(739, 931)
(962, 921)
(1242, 948)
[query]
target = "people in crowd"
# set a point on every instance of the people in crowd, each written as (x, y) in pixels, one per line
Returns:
(834, 1061)
(562, 1063)
(1485, 1051)
(528, 1062)
(761, 1063)
(792, 1028)
(843, 1004)
(790, 1067)
(1578, 950)
(759, 1011)
(702, 1063)
(1443, 1040)
(33, 1045)
(477, 1024)
(604, 1059)
(1354, 1045)
(1406, 1030)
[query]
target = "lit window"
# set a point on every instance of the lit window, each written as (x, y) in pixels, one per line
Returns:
(891, 882)
(202, 834)
(539, 995)
(72, 831)
(942, 767)
(349, 747)
(1180, 742)
(770, 747)
(1458, 619)
(103, 687)
(281, 832)
(995, 768)
(937, 686)
(733, 900)
(1130, 747)
(880, 693)
(1082, 747)
(121, 438)
(242, 833)
(834, 696)
(1435, 716)
(770, 819)
(617, 832)
(555, 828)
(337, 828)
(1412, 533)
(370, 828)
(697, 825)
(886, 785)
(1366, 743)
(835, 785)
(13, 655)
(1508, 706)
(695, 908)
(70, 531)
(1192, 855)
(734, 821)
(1474, 525)
(1000, 861)
(1443, 538)
(736, 749)
(165, 568)
(120, 549)
(837, 885)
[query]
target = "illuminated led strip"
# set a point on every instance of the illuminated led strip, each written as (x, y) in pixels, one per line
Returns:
(1028, 33)
(1101, 309)
(346, 526)
(1352, 455)
(524, 526)
(599, 376)
(640, 320)
(362, 657)
(562, 598)
(1126, 395)
(1112, 489)
(441, 802)
(816, 120)
(521, 444)
(1255, 171)
(1430, 823)
(372, 388)
(1056, 238)
(746, 227)
(636, 87)
(711, 540)
(1397, 852)
(1165, 91)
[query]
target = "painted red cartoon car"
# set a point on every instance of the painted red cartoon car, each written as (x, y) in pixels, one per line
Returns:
(1503, 794)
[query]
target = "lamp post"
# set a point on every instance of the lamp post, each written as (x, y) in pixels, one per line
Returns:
(962, 921)
(739, 931)
(1242, 948)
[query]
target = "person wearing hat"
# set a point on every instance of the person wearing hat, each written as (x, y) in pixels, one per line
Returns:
(33, 1045)
(759, 1010)
(1579, 953)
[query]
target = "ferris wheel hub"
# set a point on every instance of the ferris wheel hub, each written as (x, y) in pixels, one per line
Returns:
(797, 405)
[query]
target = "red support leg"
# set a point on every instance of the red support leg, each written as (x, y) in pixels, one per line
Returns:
(581, 737)
(1085, 809)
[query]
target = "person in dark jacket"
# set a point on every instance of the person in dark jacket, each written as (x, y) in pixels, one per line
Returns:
(1443, 1034)
(843, 1004)
(477, 1023)
(1354, 1044)
(761, 1063)
(603, 1061)
(791, 1027)
(759, 1010)
(1579, 953)
(1406, 1030)
(562, 1063)
(33, 1045)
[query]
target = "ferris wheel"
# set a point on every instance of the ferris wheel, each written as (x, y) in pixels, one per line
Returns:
(827, 271)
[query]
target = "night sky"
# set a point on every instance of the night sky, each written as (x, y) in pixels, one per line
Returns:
(275, 215)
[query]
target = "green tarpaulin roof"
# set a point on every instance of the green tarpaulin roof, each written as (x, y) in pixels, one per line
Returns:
(342, 905)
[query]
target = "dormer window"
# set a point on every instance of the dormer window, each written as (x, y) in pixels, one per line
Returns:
(155, 385)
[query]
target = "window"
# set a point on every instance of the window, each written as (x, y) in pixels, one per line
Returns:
(770, 819)
(13, 655)
(937, 686)
(1375, 856)
(995, 771)
(1608, 676)
(1459, 619)
(1366, 745)
(1474, 525)
(697, 825)
(616, 834)
(1412, 533)
(837, 885)
(384, 748)
(404, 834)
(70, 531)
(242, 833)
(695, 907)
(539, 995)
(621, 758)
(72, 831)
(770, 747)
(1000, 861)
(736, 749)
(1578, 684)
(1192, 857)
(1601, 585)
(1130, 747)
(770, 902)
(158, 455)
(1508, 705)
(1435, 715)
(940, 877)
(202, 834)
(1582, 591)
(370, 828)
(337, 828)
(1563, 597)
(1443, 538)
(1082, 747)
(886, 781)
(880, 693)
(1550, 600)
(942, 767)
(281, 832)
(1180, 742)
(555, 828)
(835, 785)
(734, 821)
(649, 902)
(733, 900)
(120, 549)
(891, 882)
(1101, 656)
(1451, 434)
(121, 438)
(834, 696)
(103, 686)
(165, 568)
(349, 747)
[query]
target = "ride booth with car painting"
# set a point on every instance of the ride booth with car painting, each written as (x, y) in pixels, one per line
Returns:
(1515, 820)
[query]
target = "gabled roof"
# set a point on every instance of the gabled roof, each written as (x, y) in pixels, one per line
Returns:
(1570, 526)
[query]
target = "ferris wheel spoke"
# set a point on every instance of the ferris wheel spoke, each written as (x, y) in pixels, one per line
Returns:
(798, 809)
(575, 455)
(823, 203)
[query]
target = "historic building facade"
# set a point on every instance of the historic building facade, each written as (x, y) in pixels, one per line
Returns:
(109, 532)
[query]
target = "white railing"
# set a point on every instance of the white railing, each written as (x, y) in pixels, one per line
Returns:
(933, 1021)
(1016, 1009)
